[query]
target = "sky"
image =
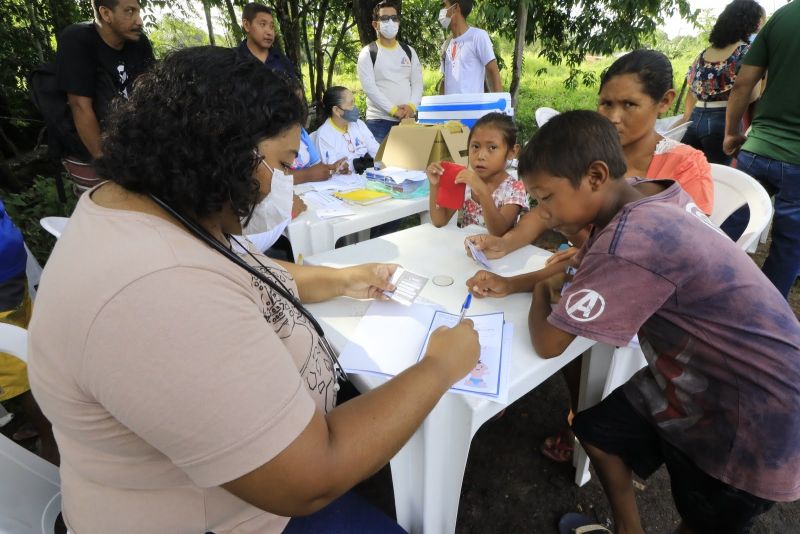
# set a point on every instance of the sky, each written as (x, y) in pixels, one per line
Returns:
(675, 26)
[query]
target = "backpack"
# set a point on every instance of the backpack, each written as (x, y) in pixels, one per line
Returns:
(51, 102)
(373, 51)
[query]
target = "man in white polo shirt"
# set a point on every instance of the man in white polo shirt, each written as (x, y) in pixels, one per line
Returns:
(390, 73)
(467, 56)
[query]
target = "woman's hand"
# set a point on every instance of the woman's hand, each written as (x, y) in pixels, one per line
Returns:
(368, 280)
(486, 284)
(454, 350)
(434, 172)
(493, 246)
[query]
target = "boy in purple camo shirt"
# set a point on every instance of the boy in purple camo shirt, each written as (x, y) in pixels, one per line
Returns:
(719, 402)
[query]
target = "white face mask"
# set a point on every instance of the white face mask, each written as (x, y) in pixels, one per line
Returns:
(389, 28)
(444, 20)
(276, 208)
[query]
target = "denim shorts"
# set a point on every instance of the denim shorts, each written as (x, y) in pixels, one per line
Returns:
(704, 503)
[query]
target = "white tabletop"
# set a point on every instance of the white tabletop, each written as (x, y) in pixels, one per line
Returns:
(432, 251)
(310, 234)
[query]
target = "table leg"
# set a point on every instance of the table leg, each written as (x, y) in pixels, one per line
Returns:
(594, 375)
(407, 482)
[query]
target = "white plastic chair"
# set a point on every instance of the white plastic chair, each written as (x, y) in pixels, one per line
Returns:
(732, 190)
(54, 225)
(30, 488)
(543, 115)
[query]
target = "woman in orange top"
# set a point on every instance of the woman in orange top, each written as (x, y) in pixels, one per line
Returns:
(634, 90)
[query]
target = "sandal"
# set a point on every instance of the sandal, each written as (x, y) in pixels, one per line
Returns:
(559, 448)
(575, 523)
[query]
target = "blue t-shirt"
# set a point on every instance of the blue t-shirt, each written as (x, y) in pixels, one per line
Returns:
(12, 248)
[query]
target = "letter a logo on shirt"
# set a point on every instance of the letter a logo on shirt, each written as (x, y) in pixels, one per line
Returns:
(585, 305)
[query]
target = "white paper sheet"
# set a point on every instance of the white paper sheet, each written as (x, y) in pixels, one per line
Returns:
(478, 255)
(388, 339)
(391, 338)
(325, 205)
(340, 182)
(489, 379)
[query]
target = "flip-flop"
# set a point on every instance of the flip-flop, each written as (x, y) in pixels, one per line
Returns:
(575, 523)
(559, 448)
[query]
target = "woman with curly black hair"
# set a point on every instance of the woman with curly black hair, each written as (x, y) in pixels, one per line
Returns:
(712, 74)
(188, 387)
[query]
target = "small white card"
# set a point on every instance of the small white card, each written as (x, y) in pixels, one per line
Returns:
(478, 255)
(407, 286)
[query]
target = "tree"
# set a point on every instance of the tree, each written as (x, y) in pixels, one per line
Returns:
(567, 30)
(174, 33)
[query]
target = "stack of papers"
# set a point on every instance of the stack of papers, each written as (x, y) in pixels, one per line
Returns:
(325, 205)
(340, 182)
(397, 179)
(391, 338)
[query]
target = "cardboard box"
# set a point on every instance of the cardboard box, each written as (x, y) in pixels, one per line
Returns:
(415, 146)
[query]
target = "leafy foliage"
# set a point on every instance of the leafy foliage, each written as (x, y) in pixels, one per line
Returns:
(28, 207)
(566, 31)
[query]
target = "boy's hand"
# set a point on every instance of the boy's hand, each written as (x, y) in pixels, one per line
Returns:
(493, 246)
(338, 167)
(561, 255)
(434, 172)
(486, 284)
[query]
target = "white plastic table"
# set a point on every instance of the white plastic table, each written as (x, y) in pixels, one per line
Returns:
(428, 471)
(310, 235)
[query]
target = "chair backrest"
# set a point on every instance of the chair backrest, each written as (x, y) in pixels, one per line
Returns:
(54, 225)
(732, 190)
(543, 115)
(30, 488)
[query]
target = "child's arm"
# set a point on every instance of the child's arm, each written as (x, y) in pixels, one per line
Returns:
(439, 216)
(498, 220)
(548, 341)
(486, 284)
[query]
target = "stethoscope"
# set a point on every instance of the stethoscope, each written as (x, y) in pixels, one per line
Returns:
(276, 284)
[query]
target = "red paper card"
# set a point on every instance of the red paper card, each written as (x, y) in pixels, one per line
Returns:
(450, 194)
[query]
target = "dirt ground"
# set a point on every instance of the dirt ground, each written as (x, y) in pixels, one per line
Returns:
(510, 487)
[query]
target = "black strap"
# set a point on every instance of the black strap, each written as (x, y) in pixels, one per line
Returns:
(373, 51)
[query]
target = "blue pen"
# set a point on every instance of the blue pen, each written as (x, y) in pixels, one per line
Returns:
(465, 307)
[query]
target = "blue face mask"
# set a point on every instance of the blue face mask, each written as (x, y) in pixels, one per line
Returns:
(350, 115)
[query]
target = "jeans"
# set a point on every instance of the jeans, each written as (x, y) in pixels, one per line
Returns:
(707, 132)
(349, 514)
(782, 180)
(380, 128)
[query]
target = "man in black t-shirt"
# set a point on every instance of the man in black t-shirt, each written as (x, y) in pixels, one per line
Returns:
(98, 61)
(259, 25)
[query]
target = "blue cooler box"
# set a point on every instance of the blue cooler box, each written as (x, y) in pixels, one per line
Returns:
(466, 108)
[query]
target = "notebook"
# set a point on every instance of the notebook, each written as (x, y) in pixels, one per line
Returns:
(363, 197)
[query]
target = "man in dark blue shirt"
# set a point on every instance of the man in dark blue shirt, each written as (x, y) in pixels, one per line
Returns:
(259, 25)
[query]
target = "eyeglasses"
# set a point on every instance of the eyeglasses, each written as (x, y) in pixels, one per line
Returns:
(387, 18)
(350, 146)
